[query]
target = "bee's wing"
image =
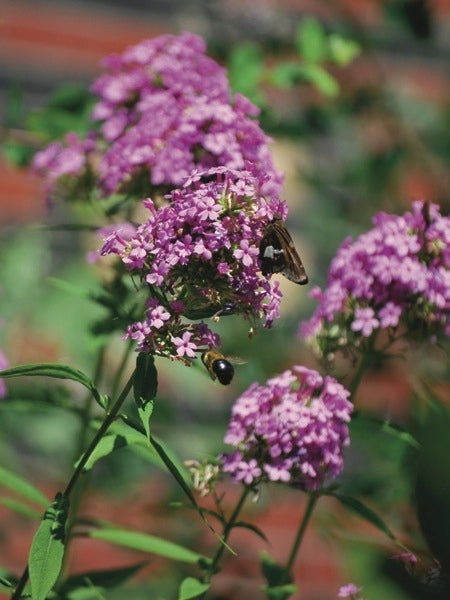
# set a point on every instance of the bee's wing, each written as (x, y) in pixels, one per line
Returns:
(237, 360)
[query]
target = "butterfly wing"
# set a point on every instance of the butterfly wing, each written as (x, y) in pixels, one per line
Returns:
(278, 254)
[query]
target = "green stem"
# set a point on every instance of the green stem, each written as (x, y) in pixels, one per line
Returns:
(19, 588)
(121, 368)
(225, 534)
(88, 403)
(364, 363)
(85, 417)
(301, 530)
(110, 417)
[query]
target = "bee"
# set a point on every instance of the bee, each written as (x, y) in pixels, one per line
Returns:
(278, 254)
(219, 366)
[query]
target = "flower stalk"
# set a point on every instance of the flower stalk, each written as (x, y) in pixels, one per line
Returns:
(312, 500)
(225, 535)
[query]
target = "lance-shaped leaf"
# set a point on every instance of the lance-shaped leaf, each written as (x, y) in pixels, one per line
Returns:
(178, 472)
(274, 573)
(19, 485)
(253, 528)
(145, 386)
(192, 588)
(107, 445)
(7, 580)
(181, 476)
(280, 592)
(280, 586)
(54, 370)
(20, 508)
(105, 578)
(47, 549)
(311, 41)
(364, 511)
(146, 543)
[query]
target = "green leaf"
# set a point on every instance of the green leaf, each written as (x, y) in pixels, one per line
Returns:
(321, 79)
(311, 41)
(145, 410)
(253, 528)
(9, 582)
(107, 445)
(274, 573)
(433, 484)
(106, 578)
(403, 436)
(146, 543)
(287, 74)
(145, 383)
(13, 106)
(19, 485)
(192, 588)
(20, 508)
(89, 592)
(280, 592)
(246, 70)
(70, 97)
(363, 511)
(54, 370)
(47, 370)
(342, 51)
(178, 472)
(47, 549)
(70, 288)
(181, 477)
(17, 153)
(145, 386)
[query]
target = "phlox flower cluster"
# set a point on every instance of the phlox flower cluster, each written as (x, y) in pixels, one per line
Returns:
(164, 108)
(198, 256)
(397, 274)
(292, 429)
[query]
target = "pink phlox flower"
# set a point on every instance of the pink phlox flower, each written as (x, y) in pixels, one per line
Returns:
(389, 315)
(247, 471)
(365, 321)
(246, 253)
(157, 315)
(184, 346)
(201, 250)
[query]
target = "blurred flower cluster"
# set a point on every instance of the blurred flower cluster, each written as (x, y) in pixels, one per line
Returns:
(164, 109)
(397, 274)
(351, 591)
(292, 429)
(199, 256)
